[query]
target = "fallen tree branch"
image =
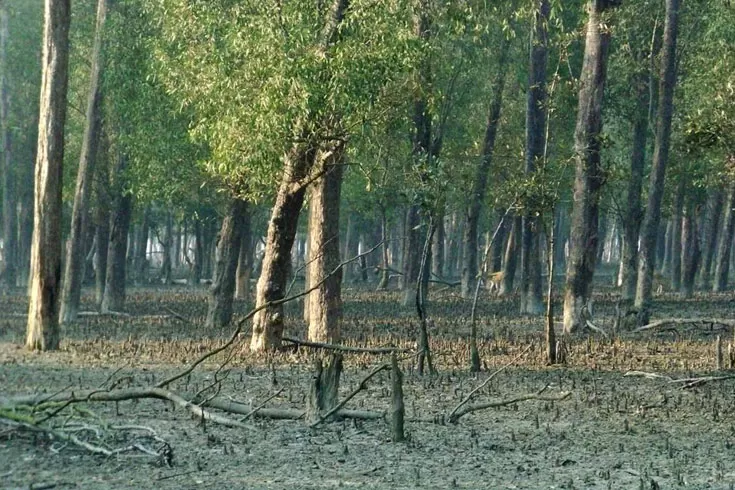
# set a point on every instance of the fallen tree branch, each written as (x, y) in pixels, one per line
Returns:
(345, 348)
(685, 321)
(509, 401)
(685, 382)
(452, 415)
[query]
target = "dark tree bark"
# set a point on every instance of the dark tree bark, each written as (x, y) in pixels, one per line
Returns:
(511, 257)
(140, 261)
(8, 185)
(101, 220)
(633, 212)
(437, 262)
(649, 229)
(43, 313)
(167, 246)
(385, 251)
(536, 113)
(676, 241)
(411, 253)
(710, 234)
(114, 297)
(324, 304)
(73, 271)
(724, 249)
(222, 292)
(196, 268)
(479, 184)
(584, 238)
(668, 234)
(690, 253)
(245, 260)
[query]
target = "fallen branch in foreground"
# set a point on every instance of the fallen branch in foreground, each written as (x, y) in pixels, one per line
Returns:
(685, 321)
(509, 401)
(345, 348)
(685, 382)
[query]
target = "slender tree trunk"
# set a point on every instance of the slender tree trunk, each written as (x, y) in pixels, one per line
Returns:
(325, 302)
(561, 235)
(676, 243)
(102, 219)
(352, 244)
(634, 213)
(222, 292)
(584, 238)
(72, 285)
(9, 179)
(668, 232)
(710, 234)
(43, 313)
(479, 184)
(140, 261)
(536, 113)
(385, 248)
(245, 260)
(411, 254)
(176, 252)
(690, 254)
(114, 297)
(196, 269)
(649, 229)
(437, 263)
(166, 246)
(511, 257)
(724, 249)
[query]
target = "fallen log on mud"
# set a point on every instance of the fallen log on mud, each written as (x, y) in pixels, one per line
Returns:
(346, 348)
(665, 322)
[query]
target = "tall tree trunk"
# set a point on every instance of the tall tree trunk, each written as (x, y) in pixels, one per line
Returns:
(222, 291)
(245, 259)
(176, 251)
(166, 246)
(668, 236)
(536, 113)
(690, 254)
(268, 322)
(584, 238)
(72, 286)
(510, 261)
(385, 249)
(710, 234)
(437, 263)
(102, 219)
(43, 314)
(140, 261)
(9, 179)
(561, 236)
(325, 302)
(196, 268)
(352, 243)
(649, 229)
(411, 254)
(114, 297)
(479, 184)
(633, 212)
(724, 249)
(676, 243)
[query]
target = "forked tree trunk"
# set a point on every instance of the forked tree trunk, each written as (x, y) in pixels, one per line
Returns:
(73, 271)
(114, 297)
(479, 184)
(722, 264)
(584, 238)
(649, 229)
(633, 212)
(536, 114)
(710, 234)
(690, 254)
(324, 303)
(222, 291)
(43, 314)
(245, 260)
(9, 265)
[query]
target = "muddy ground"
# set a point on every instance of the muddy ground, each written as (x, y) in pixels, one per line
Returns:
(614, 431)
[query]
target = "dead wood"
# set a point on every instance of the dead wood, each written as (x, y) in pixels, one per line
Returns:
(452, 415)
(685, 383)
(509, 401)
(346, 348)
(665, 322)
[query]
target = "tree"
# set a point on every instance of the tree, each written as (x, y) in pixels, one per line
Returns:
(583, 243)
(43, 315)
(8, 272)
(72, 286)
(649, 228)
(536, 117)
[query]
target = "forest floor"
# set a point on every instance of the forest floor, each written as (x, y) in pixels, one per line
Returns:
(614, 431)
